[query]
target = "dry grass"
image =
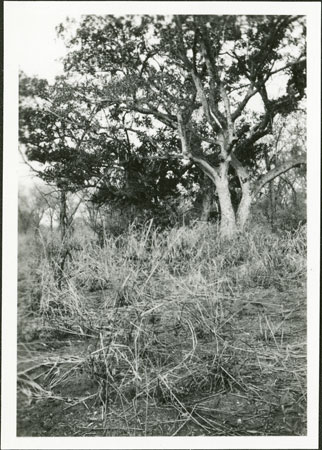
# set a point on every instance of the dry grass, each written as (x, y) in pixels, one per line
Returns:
(180, 333)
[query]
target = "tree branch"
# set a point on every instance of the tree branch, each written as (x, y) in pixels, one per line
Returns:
(213, 74)
(205, 166)
(241, 170)
(164, 118)
(211, 116)
(240, 108)
(225, 98)
(282, 168)
(286, 66)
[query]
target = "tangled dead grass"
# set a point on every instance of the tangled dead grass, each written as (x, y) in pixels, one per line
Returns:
(178, 332)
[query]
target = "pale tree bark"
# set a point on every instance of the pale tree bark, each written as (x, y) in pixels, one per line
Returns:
(244, 208)
(228, 225)
(219, 176)
(246, 200)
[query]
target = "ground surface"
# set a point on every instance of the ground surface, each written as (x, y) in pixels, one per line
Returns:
(259, 387)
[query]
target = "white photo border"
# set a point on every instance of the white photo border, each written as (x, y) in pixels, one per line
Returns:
(13, 14)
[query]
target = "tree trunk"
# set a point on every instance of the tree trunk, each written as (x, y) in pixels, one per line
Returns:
(218, 175)
(246, 199)
(244, 208)
(63, 215)
(228, 226)
(63, 225)
(220, 179)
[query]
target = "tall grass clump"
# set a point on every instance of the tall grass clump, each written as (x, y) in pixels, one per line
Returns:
(145, 265)
(258, 257)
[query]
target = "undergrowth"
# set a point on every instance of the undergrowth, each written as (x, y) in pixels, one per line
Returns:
(177, 320)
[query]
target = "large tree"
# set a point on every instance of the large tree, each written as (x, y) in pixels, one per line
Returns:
(202, 88)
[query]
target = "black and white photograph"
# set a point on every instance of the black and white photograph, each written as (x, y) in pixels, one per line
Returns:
(161, 225)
